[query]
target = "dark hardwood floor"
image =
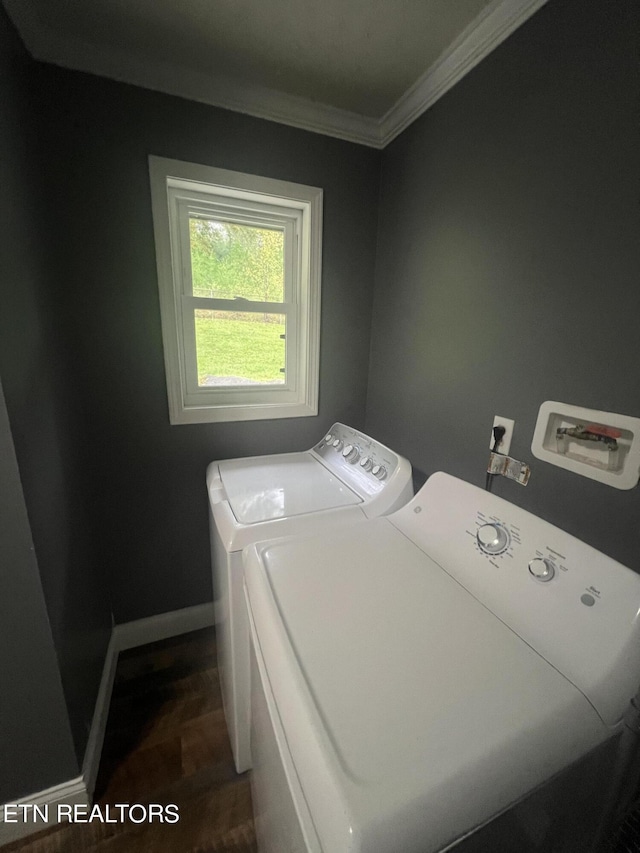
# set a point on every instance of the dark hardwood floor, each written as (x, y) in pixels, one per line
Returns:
(166, 742)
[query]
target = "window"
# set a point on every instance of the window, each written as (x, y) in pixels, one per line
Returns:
(239, 260)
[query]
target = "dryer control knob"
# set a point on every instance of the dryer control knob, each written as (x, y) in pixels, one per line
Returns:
(337, 444)
(379, 472)
(351, 453)
(367, 463)
(492, 538)
(541, 569)
(328, 438)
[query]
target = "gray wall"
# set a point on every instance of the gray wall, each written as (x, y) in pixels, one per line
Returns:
(36, 748)
(48, 431)
(149, 498)
(508, 259)
(506, 274)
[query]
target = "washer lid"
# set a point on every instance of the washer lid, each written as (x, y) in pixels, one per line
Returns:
(269, 487)
(412, 713)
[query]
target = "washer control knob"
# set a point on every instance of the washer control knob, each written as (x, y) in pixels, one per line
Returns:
(367, 463)
(337, 444)
(379, 472)
(328, 438)
(541, 569)
(351, 453)
(492, 538)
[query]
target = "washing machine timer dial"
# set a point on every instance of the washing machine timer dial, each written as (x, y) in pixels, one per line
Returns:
(351, 453)
(492, 538)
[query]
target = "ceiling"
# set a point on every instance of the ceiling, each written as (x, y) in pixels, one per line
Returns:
(357, 69)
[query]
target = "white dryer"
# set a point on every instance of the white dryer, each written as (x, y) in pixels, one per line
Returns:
(345, 478)
(450, 676)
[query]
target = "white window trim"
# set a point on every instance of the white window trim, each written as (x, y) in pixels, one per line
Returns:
(293, 207)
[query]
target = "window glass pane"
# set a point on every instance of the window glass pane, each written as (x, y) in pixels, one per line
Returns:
(239, 348)
(229, 260)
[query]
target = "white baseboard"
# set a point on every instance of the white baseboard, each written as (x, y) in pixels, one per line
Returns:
(79, 791)
(128, 635)
(93, 750)
(73, 792)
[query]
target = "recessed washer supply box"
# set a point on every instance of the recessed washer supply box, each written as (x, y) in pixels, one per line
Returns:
(616, 463)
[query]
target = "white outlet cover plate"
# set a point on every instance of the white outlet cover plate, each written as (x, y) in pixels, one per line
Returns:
(505, 444)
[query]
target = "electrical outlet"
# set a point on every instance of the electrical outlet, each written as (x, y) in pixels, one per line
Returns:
(505, 444)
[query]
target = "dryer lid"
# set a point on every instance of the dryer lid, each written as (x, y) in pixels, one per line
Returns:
(407, 704)
(280, 486)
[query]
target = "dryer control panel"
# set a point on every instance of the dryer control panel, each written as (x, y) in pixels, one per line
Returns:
(575, 606)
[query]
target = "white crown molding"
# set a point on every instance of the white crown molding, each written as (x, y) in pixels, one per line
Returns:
(481, 37)
(261, 102)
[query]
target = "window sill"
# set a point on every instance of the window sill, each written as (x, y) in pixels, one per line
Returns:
(229, 414)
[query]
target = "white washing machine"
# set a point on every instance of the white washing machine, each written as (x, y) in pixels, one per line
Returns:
(345, 478)
(452, 676)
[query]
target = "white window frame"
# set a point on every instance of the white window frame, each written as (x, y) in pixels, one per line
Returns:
(179, 190)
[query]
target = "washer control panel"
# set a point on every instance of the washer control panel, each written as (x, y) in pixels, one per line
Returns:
(381, 477)
(368, 462)
(576, 607)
